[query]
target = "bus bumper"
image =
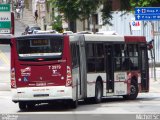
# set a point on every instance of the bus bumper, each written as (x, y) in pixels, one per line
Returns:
(42, 93)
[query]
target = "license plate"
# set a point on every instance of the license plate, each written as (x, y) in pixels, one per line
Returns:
(41, 95)
(41, 84)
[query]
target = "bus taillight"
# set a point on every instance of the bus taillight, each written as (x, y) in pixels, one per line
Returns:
(69, 77)
(150, 44)
(12, 23)
(40, 59)
(13, 80)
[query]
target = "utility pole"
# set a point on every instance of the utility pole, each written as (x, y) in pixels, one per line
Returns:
(154, 62)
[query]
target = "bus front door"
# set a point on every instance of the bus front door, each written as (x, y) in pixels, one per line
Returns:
(144, 67)
(109, 68)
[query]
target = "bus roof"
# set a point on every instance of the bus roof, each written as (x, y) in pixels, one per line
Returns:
(96, 37)
(92, 37)
(112, 38)
(135, 38)
(39, 35)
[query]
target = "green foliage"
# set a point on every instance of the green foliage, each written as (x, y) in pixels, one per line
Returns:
(69, 8)
(87, 7)
(76, 9)
(57, 25)
(106, 12)
(82, 9)
(125, 5)
(144, 3)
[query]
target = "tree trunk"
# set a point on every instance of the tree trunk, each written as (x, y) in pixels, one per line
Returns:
(84, 26)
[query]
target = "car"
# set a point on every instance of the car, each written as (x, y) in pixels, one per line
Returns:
(35, 31)
(46, 32)
(85, 32)
(107, 33)
(30, 28)
(68, 32)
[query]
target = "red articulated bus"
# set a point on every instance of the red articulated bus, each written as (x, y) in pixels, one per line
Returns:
(51, 67)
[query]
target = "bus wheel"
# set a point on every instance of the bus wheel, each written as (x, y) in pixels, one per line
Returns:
(98, 92)
(133, 91)
(30, 106)
(22, 105)
(74, 104)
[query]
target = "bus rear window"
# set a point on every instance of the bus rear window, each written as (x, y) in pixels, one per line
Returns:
(45, 48)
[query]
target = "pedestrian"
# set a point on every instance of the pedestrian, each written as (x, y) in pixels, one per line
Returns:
(18, 10)
(36, 15)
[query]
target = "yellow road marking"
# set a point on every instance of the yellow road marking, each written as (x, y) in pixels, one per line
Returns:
(4, 58)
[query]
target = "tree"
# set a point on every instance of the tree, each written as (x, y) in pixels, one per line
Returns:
(82, 9)
(87, 8)
(57, 25)
(76, 9)
(107, 12)
(129, 5)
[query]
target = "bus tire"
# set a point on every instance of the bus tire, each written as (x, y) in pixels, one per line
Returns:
(22, 105)
(133, 91)
(30, 106)
(74, 104)
(98, 92)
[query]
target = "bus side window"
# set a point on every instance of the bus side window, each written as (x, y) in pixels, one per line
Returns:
(118, 53)
(75, 54)
(90, 52)
(99, 58)
(130, 60)
(127, 63)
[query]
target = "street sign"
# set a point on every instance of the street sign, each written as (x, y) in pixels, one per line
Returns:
(5, 18)
(147, 17)
(135, 25)
(5, 8)
(4, 31)
(147, 13)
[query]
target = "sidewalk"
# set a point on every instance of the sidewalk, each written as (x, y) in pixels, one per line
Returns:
(27, 18)
(154, 85)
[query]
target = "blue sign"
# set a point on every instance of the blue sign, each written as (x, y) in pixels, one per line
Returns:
(25, 79)
(147, 13)
(147, 17)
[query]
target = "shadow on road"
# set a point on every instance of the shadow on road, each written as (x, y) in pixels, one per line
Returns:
(65, 107)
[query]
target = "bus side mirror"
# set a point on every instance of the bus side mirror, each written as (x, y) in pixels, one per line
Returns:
(29, 32)
(150, 48)
(150, 45)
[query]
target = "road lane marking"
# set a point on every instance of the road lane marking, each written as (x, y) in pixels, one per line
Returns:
(4, 58)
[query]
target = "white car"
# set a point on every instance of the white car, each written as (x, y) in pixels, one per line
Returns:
(107, 33)
(85, 32)
(67, 32)
(46, 32)
(35, 31)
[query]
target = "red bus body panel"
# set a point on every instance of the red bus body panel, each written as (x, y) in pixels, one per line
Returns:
(135, 39)
(41, 73)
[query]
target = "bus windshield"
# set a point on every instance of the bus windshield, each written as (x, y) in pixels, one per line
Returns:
(45, 48)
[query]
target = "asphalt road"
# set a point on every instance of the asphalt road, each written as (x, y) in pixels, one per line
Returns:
(19, 28)
(145, 103)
